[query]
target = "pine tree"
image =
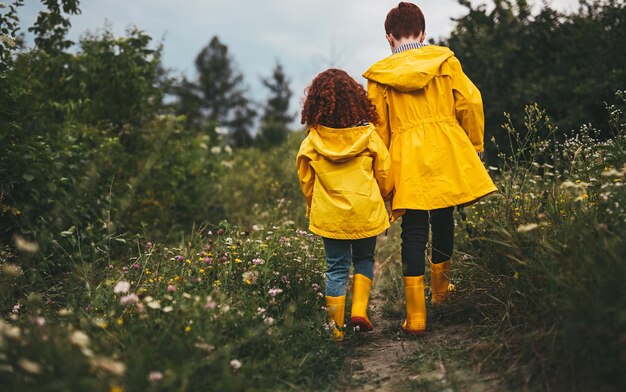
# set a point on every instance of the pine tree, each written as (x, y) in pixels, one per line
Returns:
(218, 96)
(276, 116)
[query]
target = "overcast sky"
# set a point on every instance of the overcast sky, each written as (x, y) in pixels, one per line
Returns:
(306, 36)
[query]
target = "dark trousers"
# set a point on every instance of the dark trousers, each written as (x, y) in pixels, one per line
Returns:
(415, 228)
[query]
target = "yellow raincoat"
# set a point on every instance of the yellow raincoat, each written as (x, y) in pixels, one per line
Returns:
(344, 175)
(433, 124)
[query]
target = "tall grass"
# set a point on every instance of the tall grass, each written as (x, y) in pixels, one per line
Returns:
(541, 264)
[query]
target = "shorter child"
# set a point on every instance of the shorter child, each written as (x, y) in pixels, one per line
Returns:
(344, 172)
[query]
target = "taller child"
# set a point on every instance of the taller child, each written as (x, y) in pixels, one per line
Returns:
(432, 121)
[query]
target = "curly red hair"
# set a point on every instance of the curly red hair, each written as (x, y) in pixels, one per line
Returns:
(336, 100)
(405, 21)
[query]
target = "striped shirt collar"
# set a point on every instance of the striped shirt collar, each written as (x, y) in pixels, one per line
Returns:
(409, 45)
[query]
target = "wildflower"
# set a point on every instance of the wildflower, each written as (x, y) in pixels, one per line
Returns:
(154, 305)
(21, 243)
(101, 323)
(260, 310)
(208, 260)
(9, 331)
(167, 309)
(235, 364)
(188, 328)
(215, 150)
(149, 244)
(10, 270)
(258, 261)
(237, 260)
(121, 287)
(612, 173)
(315, 286)
(268, 320)
(210, 304)
(208, 348)
(130, 298)
(179, 258)
(155, 376)
(29, 366)
(135, 266)
(250, 277)
(16, 308)
(108, 365)
(171, 288)
(527, 228)
(220, 231)
(120, 322)
(273, 292)
(80, 339)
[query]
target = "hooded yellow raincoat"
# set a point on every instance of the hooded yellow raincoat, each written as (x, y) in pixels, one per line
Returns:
(344, 175)
(433, 124)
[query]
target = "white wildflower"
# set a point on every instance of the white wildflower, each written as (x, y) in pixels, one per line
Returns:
(527, 228)
(121, 287)
(235, 364)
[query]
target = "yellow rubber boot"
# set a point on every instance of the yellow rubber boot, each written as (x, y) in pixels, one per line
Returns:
(415, 323)
(440, 282)
(336, 314)
(360, 296)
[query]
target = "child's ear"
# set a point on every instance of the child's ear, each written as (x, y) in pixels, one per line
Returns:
(422, 37)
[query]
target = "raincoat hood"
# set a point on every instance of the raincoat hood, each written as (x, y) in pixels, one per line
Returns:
(340, 144)
(410, 70)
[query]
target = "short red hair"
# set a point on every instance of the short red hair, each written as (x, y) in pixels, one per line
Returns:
(404, 21)
(336, 100)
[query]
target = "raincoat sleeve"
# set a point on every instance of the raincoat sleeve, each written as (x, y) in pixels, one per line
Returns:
(468, 105)
(306, 174)
(381, 166)
(376, 94)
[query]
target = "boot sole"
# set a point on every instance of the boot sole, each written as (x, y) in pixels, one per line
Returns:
(362, 323)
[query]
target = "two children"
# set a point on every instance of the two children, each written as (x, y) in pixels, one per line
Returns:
(429, 116)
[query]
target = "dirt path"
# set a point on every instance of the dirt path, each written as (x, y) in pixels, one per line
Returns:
(387, 359)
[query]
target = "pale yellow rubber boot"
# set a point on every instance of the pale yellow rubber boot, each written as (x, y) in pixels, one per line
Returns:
(336, 314)
(440, 282)
(415, 323)
(360, 297)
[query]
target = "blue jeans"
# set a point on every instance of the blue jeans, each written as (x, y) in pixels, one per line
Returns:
(340, 254)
